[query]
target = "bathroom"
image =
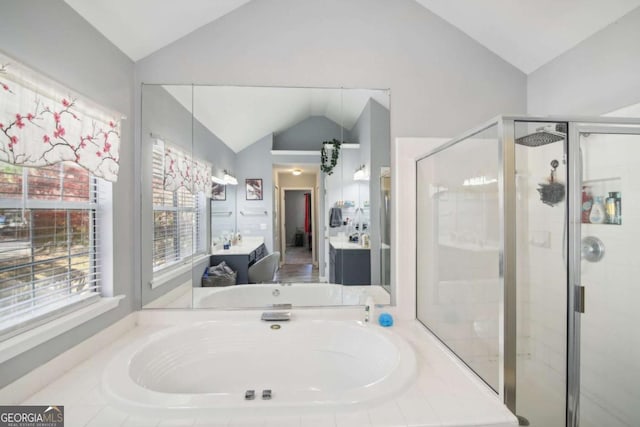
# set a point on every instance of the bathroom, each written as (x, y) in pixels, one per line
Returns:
(442, 81)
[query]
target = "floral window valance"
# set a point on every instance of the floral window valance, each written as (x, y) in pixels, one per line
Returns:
(182, 170)
(42, 123)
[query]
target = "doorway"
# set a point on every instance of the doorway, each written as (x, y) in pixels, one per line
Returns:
(298, 235)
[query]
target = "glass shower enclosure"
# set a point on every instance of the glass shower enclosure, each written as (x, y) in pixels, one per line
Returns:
(527, 268)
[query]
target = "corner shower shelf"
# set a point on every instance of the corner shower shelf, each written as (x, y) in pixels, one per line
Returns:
(602, 187)
(601, 180)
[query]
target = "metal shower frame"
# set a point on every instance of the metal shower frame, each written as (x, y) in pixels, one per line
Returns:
(505, 125)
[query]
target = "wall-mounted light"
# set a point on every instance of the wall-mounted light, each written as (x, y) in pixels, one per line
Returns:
(229, 179)
(217, 180)
(297, 172)
(361, 174)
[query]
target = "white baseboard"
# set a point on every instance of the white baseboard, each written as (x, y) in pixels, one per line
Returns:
(25, 386)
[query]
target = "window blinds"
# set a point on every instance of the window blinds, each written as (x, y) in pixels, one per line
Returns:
(48, 240)
(178, 214)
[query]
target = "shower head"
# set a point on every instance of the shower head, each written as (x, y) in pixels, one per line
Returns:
(543, 136)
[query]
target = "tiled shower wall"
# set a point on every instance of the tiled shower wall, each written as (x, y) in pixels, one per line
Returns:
(610, 342)
(610, 346)
(541, 289)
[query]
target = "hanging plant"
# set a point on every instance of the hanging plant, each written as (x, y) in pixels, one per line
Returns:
(335, 153)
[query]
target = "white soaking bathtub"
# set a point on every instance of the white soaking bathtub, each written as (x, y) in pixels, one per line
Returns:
(296, 294)
(309, 365)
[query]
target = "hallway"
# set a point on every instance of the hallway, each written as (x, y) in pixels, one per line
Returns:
(298, 267)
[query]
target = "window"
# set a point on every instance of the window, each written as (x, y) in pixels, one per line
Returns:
(178, 217)
(58, 154)
(48, 243)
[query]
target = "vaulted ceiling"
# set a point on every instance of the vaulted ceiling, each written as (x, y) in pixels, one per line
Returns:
(530, 33)
(240, 116)
(140, 27)
(525, 33)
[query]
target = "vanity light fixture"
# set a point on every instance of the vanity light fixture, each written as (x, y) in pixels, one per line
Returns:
(361, 174)
(229, 179)
(297, 172)
(217, 180)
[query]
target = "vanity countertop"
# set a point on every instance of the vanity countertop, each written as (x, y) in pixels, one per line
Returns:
(248, 245)
(341, 243)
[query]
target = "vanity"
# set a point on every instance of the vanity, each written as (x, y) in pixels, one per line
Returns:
(349, 263)
(241, 256)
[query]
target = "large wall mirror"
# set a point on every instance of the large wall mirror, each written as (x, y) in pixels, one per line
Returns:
(257, 196)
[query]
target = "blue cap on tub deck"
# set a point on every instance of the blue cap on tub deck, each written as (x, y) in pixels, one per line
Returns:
(385, 319)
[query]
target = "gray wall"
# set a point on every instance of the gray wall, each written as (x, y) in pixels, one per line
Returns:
(163, 116)
(371, 131)
(597, 76)
(207, 145)
(294, 213)
(380, 157)
(51, 38)
(309, 134)
(255, 162)
(442, 82)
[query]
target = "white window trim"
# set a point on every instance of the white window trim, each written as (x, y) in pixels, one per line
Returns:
(164, 276)
(100, 302)
(27, 340)
(72, 316)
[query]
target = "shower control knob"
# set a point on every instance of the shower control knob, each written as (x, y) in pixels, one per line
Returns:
(592, 249)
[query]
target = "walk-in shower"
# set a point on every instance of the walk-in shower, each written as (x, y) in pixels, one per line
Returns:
(509, 218)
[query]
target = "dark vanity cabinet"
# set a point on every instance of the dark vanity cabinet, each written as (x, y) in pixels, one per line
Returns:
(241, 262)
(349, 266)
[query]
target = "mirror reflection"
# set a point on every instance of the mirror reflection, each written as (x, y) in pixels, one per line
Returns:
(259, 196)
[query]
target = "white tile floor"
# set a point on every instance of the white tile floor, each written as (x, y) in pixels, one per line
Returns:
(443, 394)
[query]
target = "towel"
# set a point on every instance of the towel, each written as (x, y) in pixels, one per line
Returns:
(221, 269)
(335, 217)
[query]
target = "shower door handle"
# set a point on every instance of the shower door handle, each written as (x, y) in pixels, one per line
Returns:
(579, 299)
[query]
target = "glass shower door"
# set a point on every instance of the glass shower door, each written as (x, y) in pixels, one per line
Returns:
(606, 222)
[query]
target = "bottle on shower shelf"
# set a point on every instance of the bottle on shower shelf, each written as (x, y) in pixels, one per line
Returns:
(610, 207)
(613, 207)
(597, 214)
(618, 196)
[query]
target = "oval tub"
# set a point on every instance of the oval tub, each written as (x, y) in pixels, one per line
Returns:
(297, 294)
(307, 364)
